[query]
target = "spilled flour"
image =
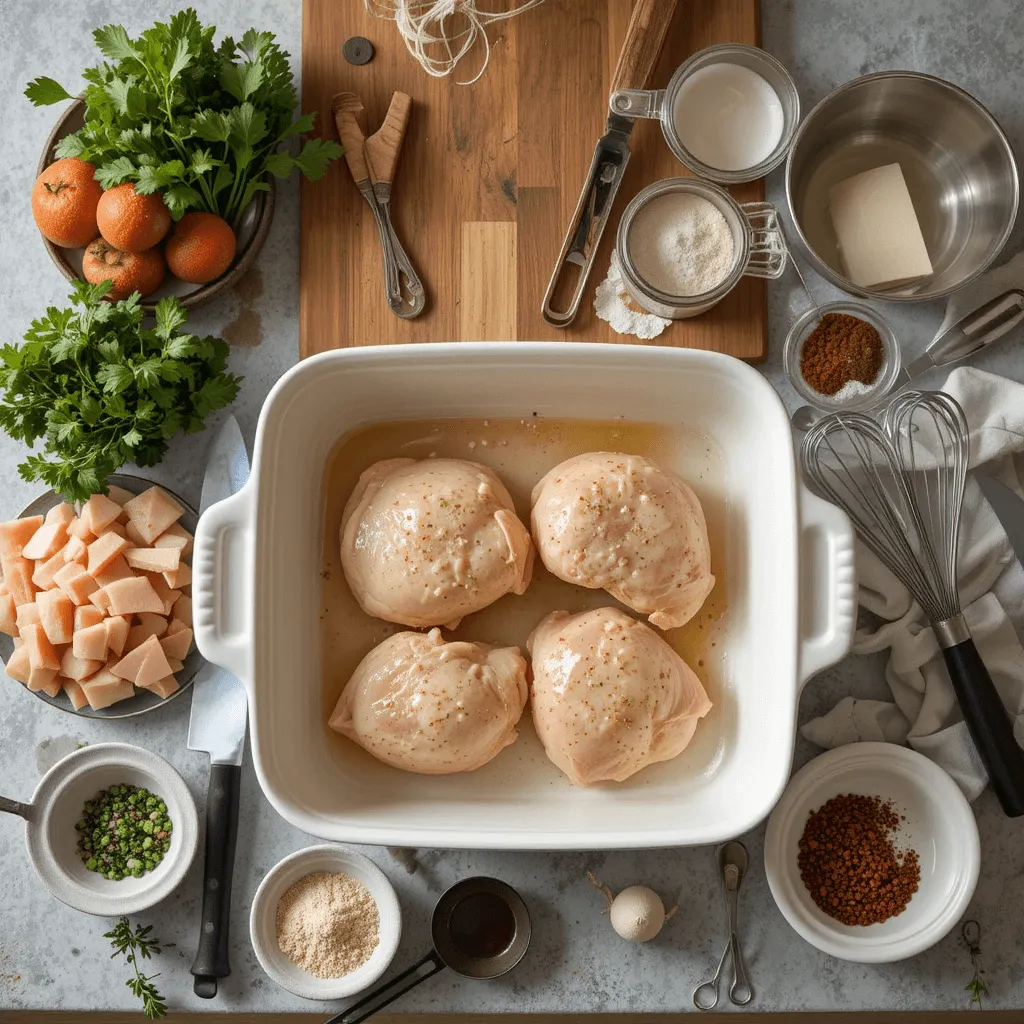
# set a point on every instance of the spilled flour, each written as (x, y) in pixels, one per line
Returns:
(615, 306)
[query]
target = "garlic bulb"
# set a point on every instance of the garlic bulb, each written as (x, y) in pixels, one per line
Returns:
(637, 913)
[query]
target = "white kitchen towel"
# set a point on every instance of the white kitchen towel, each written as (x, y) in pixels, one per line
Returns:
(924, 712)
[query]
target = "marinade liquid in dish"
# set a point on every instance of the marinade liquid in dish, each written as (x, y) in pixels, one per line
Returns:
(521, 451)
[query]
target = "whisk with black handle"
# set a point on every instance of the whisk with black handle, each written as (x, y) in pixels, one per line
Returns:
(902, 484)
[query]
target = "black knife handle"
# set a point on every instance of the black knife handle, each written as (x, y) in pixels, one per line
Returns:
(211, 960)
(988, 724)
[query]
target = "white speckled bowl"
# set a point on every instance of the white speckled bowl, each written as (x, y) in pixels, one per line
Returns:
(57, 805)
(939, 824)
(263, 921)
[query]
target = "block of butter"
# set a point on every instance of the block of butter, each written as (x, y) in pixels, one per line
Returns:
(879, 236)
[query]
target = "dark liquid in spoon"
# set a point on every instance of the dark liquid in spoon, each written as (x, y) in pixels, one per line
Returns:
(482, 925)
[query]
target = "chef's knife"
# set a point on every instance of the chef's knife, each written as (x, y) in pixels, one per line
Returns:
(1009, 509)
(648, 26)
(217, 725)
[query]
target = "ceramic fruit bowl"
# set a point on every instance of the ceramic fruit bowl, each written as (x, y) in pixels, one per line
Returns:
(144, 700)
(251, 233)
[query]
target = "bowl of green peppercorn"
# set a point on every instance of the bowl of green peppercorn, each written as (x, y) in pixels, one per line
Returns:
(111, 829)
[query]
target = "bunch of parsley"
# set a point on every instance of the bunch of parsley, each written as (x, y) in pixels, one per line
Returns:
(198, 123)
(102, 390)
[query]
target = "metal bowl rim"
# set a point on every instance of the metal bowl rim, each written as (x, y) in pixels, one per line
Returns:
(837, 279)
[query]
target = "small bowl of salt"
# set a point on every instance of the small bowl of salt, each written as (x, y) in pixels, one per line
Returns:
(325, 923)
(842, 357)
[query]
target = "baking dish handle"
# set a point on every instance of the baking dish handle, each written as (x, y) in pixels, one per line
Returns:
(828, 585)
(222, 591)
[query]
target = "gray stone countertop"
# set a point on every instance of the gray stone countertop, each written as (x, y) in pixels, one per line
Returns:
(53, 958)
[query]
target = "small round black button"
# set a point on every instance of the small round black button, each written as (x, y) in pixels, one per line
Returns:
(358, 50)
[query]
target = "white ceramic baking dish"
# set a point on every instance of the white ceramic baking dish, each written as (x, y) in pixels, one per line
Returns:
(791, 580)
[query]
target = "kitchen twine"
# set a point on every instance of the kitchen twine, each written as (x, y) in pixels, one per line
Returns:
(421, 23)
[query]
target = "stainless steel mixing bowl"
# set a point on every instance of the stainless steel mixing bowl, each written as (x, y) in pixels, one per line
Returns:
(956, 160)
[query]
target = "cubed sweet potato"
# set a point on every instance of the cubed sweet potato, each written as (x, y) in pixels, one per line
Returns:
(121, 531)
(75, 582)
(88, 615)
(117, 633)
(105, 689)
(131, 596)
(164, 592)
(117, 569)
(180, 578)
(153, 559)
(178, 644)
(103, 551)
(40, 651)
(77, 528)
(27, 615)
(45, 680)
(153, 512)
(74, 667)
(75, 694)
(42, 575)
(99, 599)
(18, 666)
(56, 615)
(99, 512)
(176, 666)
(46, 541)
(18, 577)
(8, 616)
(15, 534)
(155, 667)
(131, 531)
(119, 494)
(76, 550)
(164, 687)
(62, 513)
(175, 536)
(90, 643)
(182, 609)
(133, 664)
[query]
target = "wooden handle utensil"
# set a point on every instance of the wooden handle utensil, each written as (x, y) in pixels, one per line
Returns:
(645, 36)
(383, 147)
(347, 109)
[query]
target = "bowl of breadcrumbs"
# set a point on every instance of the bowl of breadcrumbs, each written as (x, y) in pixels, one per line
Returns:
(325, 923)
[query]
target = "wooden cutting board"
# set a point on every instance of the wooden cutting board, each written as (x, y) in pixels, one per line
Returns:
(490, 174)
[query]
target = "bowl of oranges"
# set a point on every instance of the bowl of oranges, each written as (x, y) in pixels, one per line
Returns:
(131, 239)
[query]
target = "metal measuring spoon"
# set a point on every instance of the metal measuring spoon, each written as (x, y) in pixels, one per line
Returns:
(480, 928)
(732, 867)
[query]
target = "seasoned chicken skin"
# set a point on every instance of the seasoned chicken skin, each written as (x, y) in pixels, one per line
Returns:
(609, 696)
(423, 705)
(623, 524)
(424, 543)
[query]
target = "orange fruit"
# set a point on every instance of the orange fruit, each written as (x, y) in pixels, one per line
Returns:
(201, 248)
(64, 199)
(141, 272)
(132, 222)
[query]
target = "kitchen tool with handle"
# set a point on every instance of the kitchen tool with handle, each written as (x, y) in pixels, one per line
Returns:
(218, 718)
(1009, 510)
(733, 862)
(645, 35)
(902, 484)
(372, 162)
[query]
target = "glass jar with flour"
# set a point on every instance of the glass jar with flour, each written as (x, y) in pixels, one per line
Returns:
(683, 244)
(729, 113)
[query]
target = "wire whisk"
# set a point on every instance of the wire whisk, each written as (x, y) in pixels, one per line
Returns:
(901, 482)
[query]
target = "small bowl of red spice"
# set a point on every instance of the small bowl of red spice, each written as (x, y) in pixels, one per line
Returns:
(872, 854)
(842, 357)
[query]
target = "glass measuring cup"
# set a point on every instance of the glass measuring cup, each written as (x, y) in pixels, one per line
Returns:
(759, 249)
(660, 105)
(480, 929)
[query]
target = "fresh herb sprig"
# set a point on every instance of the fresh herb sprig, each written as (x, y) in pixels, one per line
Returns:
(102, 390)
(135, 946)
(971, 934)
(200, 124)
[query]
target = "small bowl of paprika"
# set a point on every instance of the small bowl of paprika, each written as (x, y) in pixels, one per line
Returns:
(872, 854)
(842, 357)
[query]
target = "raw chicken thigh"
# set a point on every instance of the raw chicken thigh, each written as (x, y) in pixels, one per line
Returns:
(621, 523)
(609, 696)
(424, 543)
(418, 703)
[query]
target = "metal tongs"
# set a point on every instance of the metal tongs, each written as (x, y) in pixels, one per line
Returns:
(371, 162)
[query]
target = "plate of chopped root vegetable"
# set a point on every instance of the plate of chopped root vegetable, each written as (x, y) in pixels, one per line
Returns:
(95, 601)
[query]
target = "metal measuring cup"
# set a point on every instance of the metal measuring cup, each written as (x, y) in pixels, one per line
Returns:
(660, 105)
(759, 249)
(480, 929)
